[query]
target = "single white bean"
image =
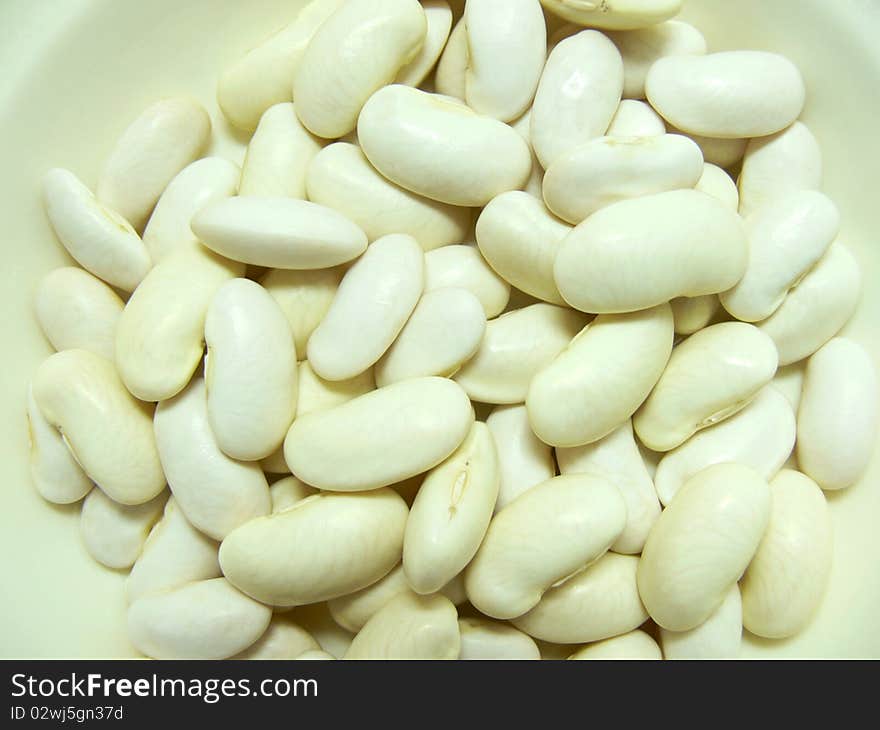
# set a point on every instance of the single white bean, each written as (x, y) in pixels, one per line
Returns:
(642, 252)
(577, 96)
(279, 232)
(284, 639)
(515, 347)
(322, 547)
(635, 119)
(701, 545)
(718, 637)
(438, 148)
(438, 15)
(725, 153)
(380, 438)
(760, 436)
(463, 267)
(727, 94)
(452, 66)
(712, 375)
(207, 619)
(789, 381)
(616, 459)
(523, 127)
(114, 533)
(693, 313)
(287, 492)
(483, 639)
(315, 654)
(250, 370)
(107, 430)
(357, 51)
(621, 15)
(215, 492)
(278, 155)
(317, 394)
(544, 536)
(160, 334)
(837, 419)
(376, 297)
(342, 178)
(195, 186)
(634, 645)
(165, 138)
(78, 311)
(716, 182)
(99, 238)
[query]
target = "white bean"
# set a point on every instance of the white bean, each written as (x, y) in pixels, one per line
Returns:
(107, 430)
(436, 147)
(641, 252)
(722, 152)
(716, 182)
(215, 492)
(701, 545)
(693, 313)
(114, 533)
(77, 311)
(284, 639)
(523, 127)
(357, 51)
(439, 18)
(317, 394)
(621, 15)
(322, 547)
(718, 637)
(483, 639)
(463, 267)
(544, 536)
(837, 419)
(374, 300)
(634, 645)
(100, 239)
(452, 66)
(635, 119)
(287, 492)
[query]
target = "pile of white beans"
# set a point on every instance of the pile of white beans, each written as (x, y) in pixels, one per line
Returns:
(491, 370)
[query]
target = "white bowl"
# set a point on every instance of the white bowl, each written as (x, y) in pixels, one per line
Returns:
(76, 71)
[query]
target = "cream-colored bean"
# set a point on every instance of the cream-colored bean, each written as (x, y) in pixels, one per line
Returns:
(621, 15)
(641, 252)
(635, 119)
(54, 470)
(781, 163)
(519, 238)
(99, 238)
(250, 371)
(175, 553)
(316, 619)
(376, 297)
(322, 547)
(725, 153)
(357, 51)
(409, 627)
(342, 178)
(483, 639)
(787, 236)
(304, 297)
(760, 436)
(451, 513)
(160, 334)
(274, 463)
(607, 170)
(616, 459)
(642, 48)
(818, 307)
(601, 378)
(789, 381)
(718, 637)
(727, 94)
(634, 645)
(524, 460)
(701, 545)
(599, 602)
(515, 347)
(578, 95)
(317, 394)
(108, 431)
(439, 18)
(444, 331)
(207, 619)
(283, 233)
(544, 536)
(712, 375)
(380, 438)
(691, 314)
(716, 182)
(523, 127)
(165, 138)
(787, 578)
(287, 492)
(114, 533)
(278, 155)
(78, 311)
(438, 148)
(263, 76)
(837, 419)
(463, 267)
(284, 639)
(215, 492)
(195, 186)
(315, 654)
(452, 66)
(507, 46)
